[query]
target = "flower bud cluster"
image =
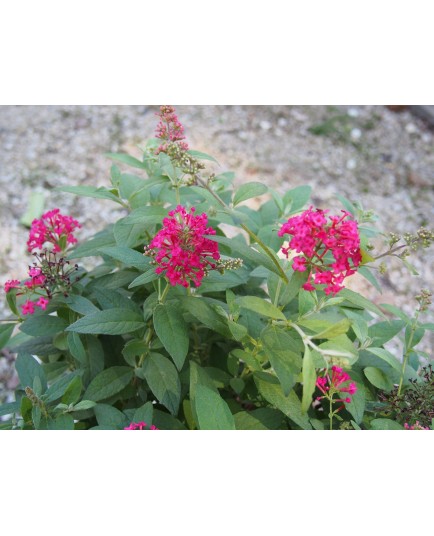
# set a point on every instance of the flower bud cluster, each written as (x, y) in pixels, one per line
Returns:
(171, 132)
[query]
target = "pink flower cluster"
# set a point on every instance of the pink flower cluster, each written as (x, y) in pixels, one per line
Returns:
(182, 250)
(314, 237)
(140, 426)
(416, 426)
(335, 384)
(36, 281)
(54, 228)
(170, 130)
(28, 308)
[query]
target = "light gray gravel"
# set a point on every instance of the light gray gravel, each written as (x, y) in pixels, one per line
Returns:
(367, 153)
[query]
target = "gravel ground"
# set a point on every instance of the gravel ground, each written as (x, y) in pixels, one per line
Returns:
(366, 153)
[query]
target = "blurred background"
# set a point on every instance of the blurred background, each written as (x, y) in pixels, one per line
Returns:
(381, 156)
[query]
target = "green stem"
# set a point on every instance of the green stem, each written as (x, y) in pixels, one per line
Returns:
(407, 353)
(277, 296)
(331, 413)
(178, 195)
(162, 298)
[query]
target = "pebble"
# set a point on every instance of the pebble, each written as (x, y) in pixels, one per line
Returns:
(411, 128)
(351, 163)
(265, 125)
(356, 134)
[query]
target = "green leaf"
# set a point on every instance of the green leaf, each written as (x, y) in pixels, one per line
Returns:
(62, 422)
(73, 391)
(90, 191)
(248, 358)
(258, 419)
(309, 380)
(127, 234)
(165, 421)
(202, 156)
(409, 267)
(91, 247)
(278, 347)
(338, 329)
(249, 190)
(290, 405)
(358, 400)
(386, 356)
(378, 378)
(360, 301)
(358, 324)
(238, 331)
(46, 324)
(77, 348)
(172, 331)
(145, 278)
(297, 198)
(127, 256)
(212, 411)
(260, 306)
(108, 322)
(34, 209)
(290, 291)
(11, 299)
(146, 216)
(107, 383)
(80, 305)
(112, 299)
(368, 275)
(126, 159)
(84, 405)
(9, 408)
(28, 369)
(163, 380)
(5, 333)
(58, 388)
(202, 311)
(133, 349)
(129, 184)
(385, 424)
(109, 416)
(167, 167)
(384, 331)
(144, 413)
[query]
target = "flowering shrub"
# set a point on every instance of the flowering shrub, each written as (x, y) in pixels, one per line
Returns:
(186, 323)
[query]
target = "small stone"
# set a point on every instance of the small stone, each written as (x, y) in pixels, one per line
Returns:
(282, 122)
(265, 125)
(351, 163)
(411, 128)
(356, 134)
(353, 112)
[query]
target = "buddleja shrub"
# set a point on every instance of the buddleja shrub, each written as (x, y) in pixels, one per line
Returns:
(186, 323)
